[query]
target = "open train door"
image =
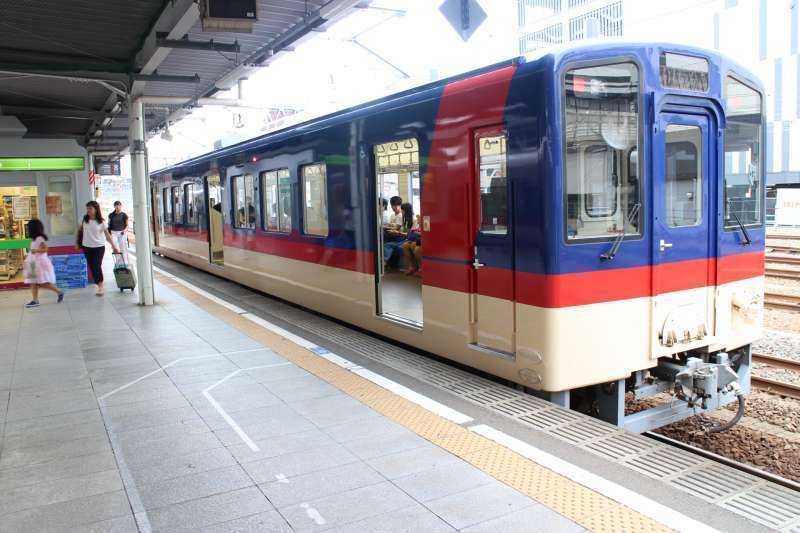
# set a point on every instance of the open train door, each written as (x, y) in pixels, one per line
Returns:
(493, 314)
(214, 191)
(683, 273)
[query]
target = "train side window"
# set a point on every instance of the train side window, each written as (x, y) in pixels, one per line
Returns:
(315, 200)
(177, 205)
(277, 202)
(493, 183)
(601, 134)
(683, 176)
(166, 198)
(743, 171)
(244, 208)
(192, 206)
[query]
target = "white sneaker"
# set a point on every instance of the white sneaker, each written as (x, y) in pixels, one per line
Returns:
(100, 292)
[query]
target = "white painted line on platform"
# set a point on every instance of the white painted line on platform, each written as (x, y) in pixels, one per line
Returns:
(288, 335)
(413, 396)
(313, 514)
(156, 371)
(657, 511)
(224, 414)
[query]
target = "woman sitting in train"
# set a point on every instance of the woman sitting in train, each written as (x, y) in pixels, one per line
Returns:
(412, 247)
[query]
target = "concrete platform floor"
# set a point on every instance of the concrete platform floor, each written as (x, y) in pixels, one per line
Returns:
(121, 418)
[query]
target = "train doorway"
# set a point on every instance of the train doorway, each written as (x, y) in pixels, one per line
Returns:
(398, 282)
(214, 194)
(682, 231)
(493, 315)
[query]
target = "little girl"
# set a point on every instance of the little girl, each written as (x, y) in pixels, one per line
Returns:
(38, 268)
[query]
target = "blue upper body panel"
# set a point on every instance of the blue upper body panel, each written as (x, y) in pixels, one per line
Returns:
(535, 126)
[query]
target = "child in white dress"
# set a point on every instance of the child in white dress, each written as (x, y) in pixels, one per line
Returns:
(38, 268)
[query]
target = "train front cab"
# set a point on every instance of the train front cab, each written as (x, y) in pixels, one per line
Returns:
(660, 254)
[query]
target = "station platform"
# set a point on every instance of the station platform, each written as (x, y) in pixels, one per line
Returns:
(209, 412)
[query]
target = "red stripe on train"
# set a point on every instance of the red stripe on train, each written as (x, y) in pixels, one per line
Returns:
(584, 288)
(348, 259)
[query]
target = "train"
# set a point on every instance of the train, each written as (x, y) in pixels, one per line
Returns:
(586, 223)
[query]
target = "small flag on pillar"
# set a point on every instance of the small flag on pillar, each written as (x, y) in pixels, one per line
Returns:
(92, 177)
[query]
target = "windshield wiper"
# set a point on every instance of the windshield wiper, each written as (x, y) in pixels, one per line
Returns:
(610, 254)
(747, 240)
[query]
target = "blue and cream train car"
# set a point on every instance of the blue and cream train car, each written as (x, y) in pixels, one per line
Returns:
(590, 223)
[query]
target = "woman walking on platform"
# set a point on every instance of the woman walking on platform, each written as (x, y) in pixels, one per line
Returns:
(38, 268)
(92, 237)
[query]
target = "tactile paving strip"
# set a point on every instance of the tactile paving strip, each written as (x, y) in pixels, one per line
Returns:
(681, 470)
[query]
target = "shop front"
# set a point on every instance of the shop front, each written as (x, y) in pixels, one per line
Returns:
(45, 179)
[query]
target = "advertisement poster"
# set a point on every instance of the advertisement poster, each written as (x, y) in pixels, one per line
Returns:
(21, 205)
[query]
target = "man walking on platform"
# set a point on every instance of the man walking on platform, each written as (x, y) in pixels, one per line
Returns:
(118, 226)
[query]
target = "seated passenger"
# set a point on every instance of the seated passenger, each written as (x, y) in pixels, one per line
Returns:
(393, 235)
(412, 247)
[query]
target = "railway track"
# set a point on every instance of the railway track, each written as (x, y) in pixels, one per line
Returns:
(783, 273)
(789, 390)
(779, 300)
(783, 236)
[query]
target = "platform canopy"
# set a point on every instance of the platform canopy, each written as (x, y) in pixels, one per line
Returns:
(67, 68)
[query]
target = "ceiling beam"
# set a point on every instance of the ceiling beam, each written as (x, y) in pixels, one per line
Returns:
(165, 78)
(60, 61)
(176, 20)
(186, 44)
(54, 112)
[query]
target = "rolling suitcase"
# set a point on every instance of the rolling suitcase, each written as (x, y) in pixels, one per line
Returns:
(123, 274)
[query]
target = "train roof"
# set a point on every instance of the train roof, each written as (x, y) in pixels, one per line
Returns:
(555, 56)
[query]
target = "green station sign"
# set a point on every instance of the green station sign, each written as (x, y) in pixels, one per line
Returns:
(41, 163)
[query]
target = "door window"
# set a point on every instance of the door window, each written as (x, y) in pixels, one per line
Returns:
(493, 184)
(683, 175)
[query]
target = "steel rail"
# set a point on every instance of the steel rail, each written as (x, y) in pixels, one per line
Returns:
(752, 470)
(783, 236)
(782, 273)
(779, 300)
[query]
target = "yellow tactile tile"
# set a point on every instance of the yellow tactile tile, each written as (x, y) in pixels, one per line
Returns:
(581, 505)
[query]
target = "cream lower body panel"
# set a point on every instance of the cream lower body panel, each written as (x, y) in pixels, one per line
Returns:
(556, 349)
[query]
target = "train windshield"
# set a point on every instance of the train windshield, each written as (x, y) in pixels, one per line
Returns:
(601, 181)
(742, 155)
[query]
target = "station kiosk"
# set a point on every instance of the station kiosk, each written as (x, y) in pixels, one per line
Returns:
(46, 179)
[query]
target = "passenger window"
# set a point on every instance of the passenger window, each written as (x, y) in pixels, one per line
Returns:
(601, 138)
(192, 205)
(683, 176)
(166, 199)
(743, 187)
(244, 215)
(315, 201)
(277, 202)
(177, 208)
(493, 184)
